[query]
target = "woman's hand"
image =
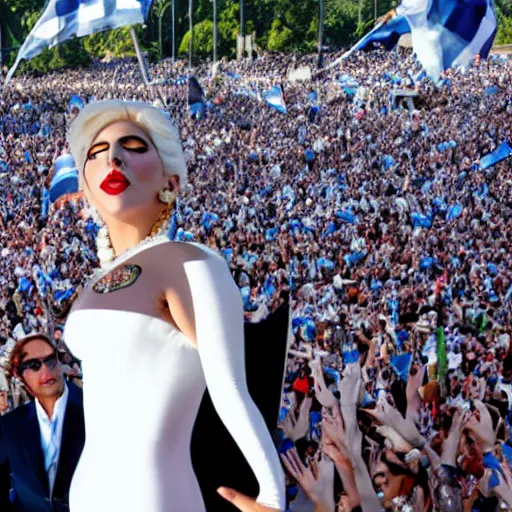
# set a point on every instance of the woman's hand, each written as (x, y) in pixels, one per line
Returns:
(243, 502)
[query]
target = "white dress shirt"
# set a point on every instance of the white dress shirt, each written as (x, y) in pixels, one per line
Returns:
(51, 435)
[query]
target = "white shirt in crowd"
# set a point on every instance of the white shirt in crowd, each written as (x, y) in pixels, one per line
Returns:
(454, 360)
(49, 426)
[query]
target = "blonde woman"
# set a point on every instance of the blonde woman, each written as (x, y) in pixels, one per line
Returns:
(154, 327)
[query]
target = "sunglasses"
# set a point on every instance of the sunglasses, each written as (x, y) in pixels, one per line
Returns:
(34, 365)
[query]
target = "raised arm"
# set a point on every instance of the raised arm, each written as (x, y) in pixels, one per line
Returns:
(218, 331)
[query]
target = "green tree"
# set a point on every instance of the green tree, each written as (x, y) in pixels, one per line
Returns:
(161, 7)
(111, 43)
(69, 54)
(203, 40)
(504, 35)
(504, 7)
(280, 37)
(228, 28)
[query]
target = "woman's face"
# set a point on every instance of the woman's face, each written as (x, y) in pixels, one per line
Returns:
(123, 172)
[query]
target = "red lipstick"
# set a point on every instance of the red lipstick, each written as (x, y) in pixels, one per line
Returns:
(115, 183)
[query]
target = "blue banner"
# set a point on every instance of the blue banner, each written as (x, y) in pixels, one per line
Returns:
(503, 152)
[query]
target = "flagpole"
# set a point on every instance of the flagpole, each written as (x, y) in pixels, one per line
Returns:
(173, 30)
(352, 50)
(143, 69)
(320, 34)
(214, 35)
(1, 48)
(242, 28)
(191, 28)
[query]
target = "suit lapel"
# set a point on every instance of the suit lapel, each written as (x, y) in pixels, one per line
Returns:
(31, 440)
(73, 435)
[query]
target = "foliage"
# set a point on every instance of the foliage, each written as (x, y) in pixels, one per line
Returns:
(113, 43)
(70, 54)
(203, 40)
(504, 35)
(280, 37)
(279, 25)
(228, 28)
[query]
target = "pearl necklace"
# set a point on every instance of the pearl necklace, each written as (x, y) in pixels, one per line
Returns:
(158, 234)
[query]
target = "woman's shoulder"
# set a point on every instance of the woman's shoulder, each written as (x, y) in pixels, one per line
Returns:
(191, 251)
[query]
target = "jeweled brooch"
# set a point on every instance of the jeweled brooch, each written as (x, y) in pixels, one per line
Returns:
(119, 278)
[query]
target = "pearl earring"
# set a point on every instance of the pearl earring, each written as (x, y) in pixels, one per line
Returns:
(167, 196)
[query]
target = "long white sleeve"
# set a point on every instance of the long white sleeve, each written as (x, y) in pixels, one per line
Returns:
(220, 341)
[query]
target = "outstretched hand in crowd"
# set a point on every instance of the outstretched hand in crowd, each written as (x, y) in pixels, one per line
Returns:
(296, 428)
(322, 393)
(312, 482)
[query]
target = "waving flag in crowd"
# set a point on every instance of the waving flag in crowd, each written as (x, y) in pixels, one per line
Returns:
(503, 152)
(65, 178)
(386, 34)
(445, 33)
(65, 19)
(275, 99)
(449, 33)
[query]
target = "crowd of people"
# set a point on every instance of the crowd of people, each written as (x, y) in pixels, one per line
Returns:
(374, 222)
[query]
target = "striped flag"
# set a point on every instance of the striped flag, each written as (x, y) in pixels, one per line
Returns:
(449, 33)
(275, 99)
(65, 19)
(386, 35)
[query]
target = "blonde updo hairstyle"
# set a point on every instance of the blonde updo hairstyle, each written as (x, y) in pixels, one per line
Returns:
(161, 130)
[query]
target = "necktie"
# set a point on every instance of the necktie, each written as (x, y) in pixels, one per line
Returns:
(52, 451)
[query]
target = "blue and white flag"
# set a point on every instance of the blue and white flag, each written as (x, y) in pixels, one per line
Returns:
(275, 99)
(65, 19)
(449, 33)
(65, 177)
(503, 152)
(386, 35)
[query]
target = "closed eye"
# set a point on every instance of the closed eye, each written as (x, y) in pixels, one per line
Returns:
(96, 149)
(130, 143)
(134, 143)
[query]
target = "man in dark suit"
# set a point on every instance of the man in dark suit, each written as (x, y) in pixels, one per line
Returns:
(41, 441)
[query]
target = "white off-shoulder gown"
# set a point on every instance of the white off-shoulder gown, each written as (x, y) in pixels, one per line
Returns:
(143, 384)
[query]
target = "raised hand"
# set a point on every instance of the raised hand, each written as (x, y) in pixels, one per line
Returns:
(389, 416)
(311, 483)
(350, 386)
(481, 429)
(414, 382)
(334, 441)
(325, 472)
(397, 442)
(451, 443)
(297, 428)
(322, 393)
